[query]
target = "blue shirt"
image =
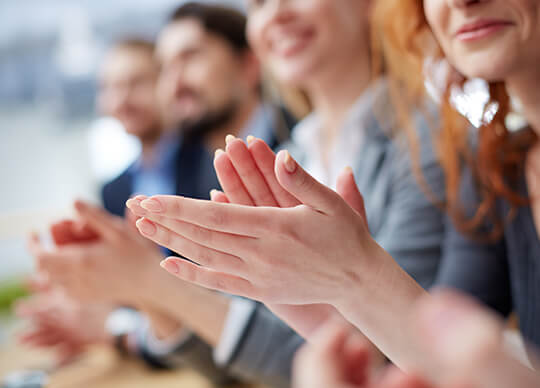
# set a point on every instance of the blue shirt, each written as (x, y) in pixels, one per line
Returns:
(157, 175)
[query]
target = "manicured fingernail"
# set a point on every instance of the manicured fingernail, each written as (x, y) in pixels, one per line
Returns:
(229, 139)
(250, 139)
(170, 266)
(146, 227)
(213, 193)
(219, 151)
(290, 164)
(152, 205)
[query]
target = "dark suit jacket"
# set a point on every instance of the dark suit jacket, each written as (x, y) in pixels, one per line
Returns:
(194, 177)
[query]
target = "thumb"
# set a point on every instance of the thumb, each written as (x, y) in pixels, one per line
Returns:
(106, 225)
(303, 186)
(347, 188)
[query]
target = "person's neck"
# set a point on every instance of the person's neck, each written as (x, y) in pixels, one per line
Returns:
(216, 138)
(526, 88)
(149, 144)
(334, 93)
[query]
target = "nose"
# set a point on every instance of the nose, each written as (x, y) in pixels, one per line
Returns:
(280, 11)
(466, 3)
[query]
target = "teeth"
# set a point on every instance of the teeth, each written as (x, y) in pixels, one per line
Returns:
(286, 44)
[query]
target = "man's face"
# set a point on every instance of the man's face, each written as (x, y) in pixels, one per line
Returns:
(127, 90)
(201, 74)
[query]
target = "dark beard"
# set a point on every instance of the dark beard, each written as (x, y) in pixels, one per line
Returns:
(197, 130)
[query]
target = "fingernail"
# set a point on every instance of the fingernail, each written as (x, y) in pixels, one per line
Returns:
(250, 139)
(219, 151)
(348, 169)
(170, 266)
(213, 193)
(290, 164)
(146, 227)
(229, 139)
(152, 205)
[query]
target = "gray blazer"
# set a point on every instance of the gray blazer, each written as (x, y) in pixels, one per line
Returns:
(401, 219)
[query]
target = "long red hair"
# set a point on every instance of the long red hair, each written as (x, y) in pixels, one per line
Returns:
(497, 161)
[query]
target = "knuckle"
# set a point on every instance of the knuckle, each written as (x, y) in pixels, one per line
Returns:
(176, 207)
(201, 234)
(204, 257)
(165, 237)
(217, 218)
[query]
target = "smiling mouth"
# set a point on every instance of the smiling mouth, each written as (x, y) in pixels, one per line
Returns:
(292, 44)
(481, 29)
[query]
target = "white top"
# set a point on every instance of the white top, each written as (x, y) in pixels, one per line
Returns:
(308, 136)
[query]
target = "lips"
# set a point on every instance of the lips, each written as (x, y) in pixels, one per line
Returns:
(481, 29)
(290, 43)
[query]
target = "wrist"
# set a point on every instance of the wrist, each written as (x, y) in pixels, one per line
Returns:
(367, 273)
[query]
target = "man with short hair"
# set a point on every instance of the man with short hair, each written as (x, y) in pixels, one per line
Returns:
(209, 86)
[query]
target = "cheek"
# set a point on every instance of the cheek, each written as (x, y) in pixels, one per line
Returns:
(255, 33)
(437, 16)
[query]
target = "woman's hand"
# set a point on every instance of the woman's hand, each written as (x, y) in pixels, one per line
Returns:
(338, 359)
(63, 324)
(247, 176)
(311, 253)
(88, 268)
(318, 252)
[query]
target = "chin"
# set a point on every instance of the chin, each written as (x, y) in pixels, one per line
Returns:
(487, 67)
(297, 75)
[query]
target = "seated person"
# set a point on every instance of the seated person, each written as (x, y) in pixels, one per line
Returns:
(209, 86)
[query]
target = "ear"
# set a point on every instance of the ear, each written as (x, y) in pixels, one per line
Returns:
(252, 69)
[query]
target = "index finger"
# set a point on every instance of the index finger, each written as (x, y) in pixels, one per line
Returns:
(249, 174)
(98, 219)
(222, 217)
(265, 160)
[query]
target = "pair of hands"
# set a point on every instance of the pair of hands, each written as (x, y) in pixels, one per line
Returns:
(99, 258)
(77, 285)
(59, 322)
(462, 344)
(269, 236)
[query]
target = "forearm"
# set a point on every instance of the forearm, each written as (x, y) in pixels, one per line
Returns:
(380, 304)
(306, 319)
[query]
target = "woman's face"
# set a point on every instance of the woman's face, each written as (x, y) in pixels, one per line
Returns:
(300, 39)
(489, 39)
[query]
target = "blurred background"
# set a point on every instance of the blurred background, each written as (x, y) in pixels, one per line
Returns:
(53, 146)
